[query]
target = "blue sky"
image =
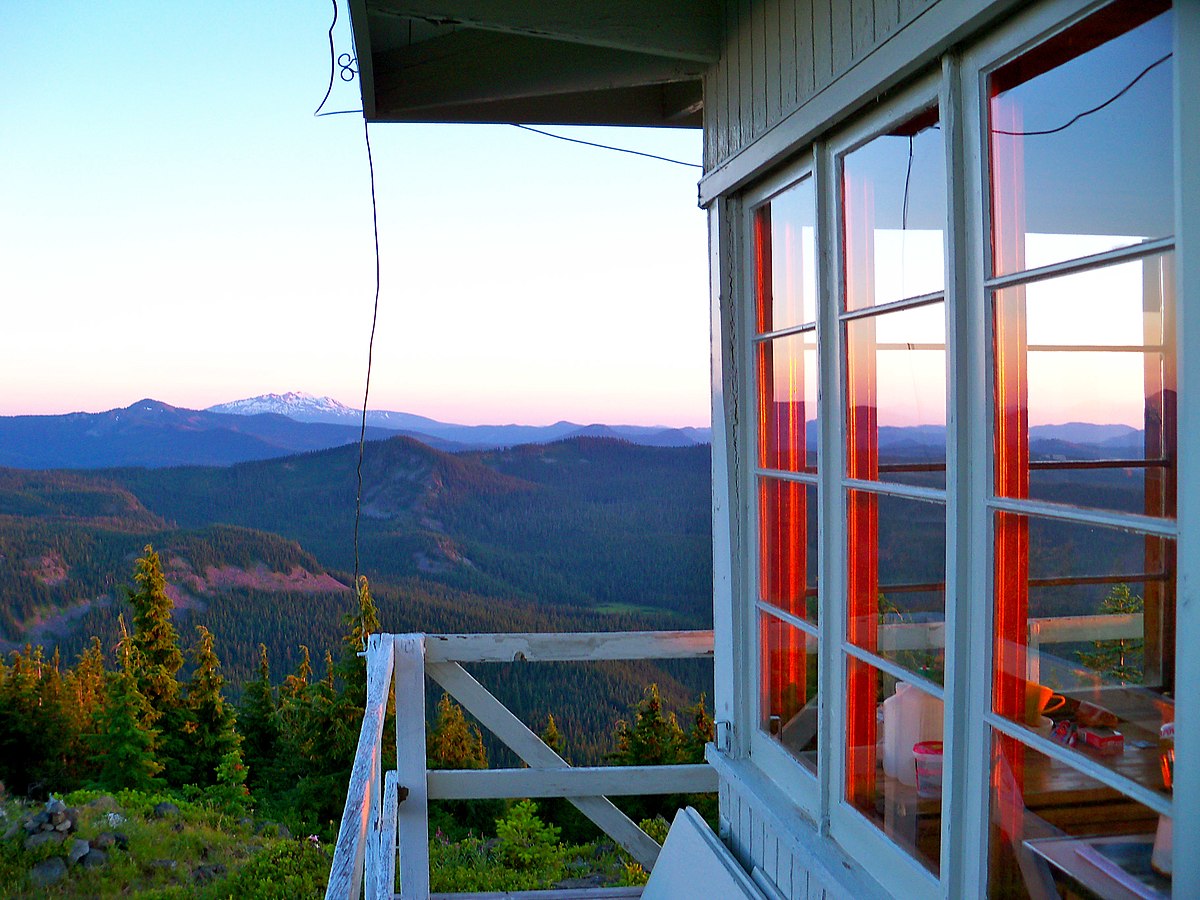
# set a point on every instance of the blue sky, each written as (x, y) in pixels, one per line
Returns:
(174, 223)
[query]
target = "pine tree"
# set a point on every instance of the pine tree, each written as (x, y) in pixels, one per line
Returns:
(453, 743)
(550, 735)
(157, 655)
(126, 739)
(701, 732)
(654, 739)
(212, 736)
(259, 722)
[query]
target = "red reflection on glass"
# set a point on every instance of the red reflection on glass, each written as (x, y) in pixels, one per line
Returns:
(787, 546)
(788, 708)
(787, 390)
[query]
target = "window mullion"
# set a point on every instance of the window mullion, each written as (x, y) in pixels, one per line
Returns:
(964, 835)
(830, 527)
(1186, 864)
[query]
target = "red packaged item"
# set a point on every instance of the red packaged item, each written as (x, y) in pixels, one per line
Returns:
(1103, 740)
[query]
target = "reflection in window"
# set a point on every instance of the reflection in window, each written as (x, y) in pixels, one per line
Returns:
(1081, 140)
(1056, 831)
(786, 259)
(896, 396)
(787, 537)
(894, 759)
(788, 705)
(1085, 379)
(894, 202)
(1085, 640)
(787, 403)
(896, 597)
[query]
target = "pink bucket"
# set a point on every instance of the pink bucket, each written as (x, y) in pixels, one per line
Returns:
(928, 757)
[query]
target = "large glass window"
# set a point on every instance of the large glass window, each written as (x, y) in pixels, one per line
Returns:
(893, 191)
(785, 368)
(1084, 441)
(1001, 466)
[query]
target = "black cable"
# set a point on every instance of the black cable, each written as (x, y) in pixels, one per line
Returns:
(1095, 109)
(561, 137)
(329, 90)
(362, 437)
(907, 178)
(347, 66)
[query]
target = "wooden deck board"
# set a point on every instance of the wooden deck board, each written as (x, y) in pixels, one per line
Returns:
(601, 893)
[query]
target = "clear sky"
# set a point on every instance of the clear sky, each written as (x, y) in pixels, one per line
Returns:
(174, 223)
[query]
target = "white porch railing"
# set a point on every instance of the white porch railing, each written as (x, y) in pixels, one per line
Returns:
(375, 827)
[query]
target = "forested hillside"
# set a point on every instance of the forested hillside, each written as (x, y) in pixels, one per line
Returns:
(586, 534)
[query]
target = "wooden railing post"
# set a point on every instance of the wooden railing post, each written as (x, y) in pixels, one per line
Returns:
(412, 818)
(357, 832)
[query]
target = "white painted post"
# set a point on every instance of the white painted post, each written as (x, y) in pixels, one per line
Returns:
(412, 817)
(386, 869)
(1187, 296)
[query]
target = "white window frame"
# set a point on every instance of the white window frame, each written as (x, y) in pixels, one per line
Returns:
(775, 762)
(958, 88)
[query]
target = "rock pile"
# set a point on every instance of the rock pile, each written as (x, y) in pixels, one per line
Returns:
(56, 823)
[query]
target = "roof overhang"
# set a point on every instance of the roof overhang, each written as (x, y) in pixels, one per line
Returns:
(568, 62)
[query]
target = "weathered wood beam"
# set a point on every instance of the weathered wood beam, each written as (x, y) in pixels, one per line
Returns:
(496, 717)
(471, 66)
(568, 647)
(491, 784)
(603, 893)
(345, 875)
(681, 29)
(412, 818)
(385, 885)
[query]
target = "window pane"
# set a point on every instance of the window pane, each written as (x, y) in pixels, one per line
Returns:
(896, 396)
(787, 539)
(788, 709)
(896, 583)
(894, 214)
(786, 259)
(1084, 631)
(1049, 821)
(893, 759)
(1086, 389)
(1081, 140)
(787, 403)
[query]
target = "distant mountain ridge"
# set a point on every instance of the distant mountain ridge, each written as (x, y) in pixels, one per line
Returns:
(155, 434)
(308, 408)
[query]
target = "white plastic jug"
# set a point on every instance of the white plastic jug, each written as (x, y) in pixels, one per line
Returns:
(909, 717)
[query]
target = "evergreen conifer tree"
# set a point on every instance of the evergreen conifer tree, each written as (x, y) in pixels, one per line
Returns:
(654, 739)
(157, 660)
(157, 655)
(453, 743)
(259, 722)
(126, 739)
(213, 735)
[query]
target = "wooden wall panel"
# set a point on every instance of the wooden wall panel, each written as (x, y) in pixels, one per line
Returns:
(777, 54)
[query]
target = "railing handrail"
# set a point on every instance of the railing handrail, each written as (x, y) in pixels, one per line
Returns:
(573, 646)
(369, 832)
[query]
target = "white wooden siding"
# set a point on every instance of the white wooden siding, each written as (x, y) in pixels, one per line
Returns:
(779, 53)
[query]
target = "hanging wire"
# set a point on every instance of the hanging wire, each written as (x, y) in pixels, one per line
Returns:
(362, 436)
(563, 137)
(349, 69)
(1095, 109)
(348, 73)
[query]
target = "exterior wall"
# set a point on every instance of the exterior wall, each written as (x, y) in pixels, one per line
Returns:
(777, 54)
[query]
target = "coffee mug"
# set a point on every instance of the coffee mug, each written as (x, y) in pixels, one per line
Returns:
(1040, 700)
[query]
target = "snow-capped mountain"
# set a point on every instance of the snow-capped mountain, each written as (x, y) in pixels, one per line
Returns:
(293, 404)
